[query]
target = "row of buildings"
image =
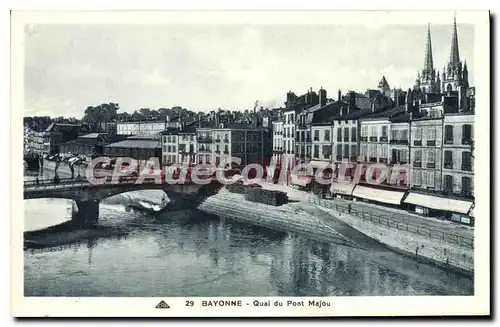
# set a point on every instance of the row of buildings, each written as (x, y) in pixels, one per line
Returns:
(429, 126)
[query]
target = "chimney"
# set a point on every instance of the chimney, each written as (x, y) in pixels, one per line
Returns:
(409, 101)
(352, 100)
(322, 97)
(340, 95)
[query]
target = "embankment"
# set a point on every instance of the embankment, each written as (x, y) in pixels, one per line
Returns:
(291, 217)
(418, 247)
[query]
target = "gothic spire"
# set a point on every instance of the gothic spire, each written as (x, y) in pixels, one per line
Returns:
(454, 56)
(428, 64)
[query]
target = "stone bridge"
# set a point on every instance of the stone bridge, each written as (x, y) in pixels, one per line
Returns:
(87, 195)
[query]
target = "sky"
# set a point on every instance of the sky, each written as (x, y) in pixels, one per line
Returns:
(204, 67)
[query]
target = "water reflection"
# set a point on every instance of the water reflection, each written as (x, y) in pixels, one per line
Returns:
(193, 254)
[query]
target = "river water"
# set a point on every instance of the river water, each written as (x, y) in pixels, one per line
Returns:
(189, 253)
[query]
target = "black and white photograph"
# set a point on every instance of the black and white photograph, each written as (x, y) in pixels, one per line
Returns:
(250, 163)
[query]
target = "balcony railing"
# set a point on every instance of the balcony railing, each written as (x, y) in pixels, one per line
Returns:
(326, 155)
(372, 159)
(466, 141)
(373, 139)
(353, 158)
(226, 140)
(417, 142)
(431, 142)
(204, 139)
(383, 139)
(339, 158)
(402, 141)
(448, 141)
(308, 139)
(382, 160)
(448, 165)
(417, 163)
(339, 139)
(353, 139)
(431, 165)
(316, 139)
(363, 138)
(327, 139)
(466, 167)
(217, 140)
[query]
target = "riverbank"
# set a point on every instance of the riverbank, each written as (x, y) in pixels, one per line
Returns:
(326, 224)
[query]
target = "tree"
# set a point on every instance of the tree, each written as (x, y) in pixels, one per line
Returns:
(103, 113)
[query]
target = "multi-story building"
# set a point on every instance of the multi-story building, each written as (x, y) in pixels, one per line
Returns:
(322, 141)
(170, 146)
(458, 163)
(242, 141)
(277, 130)
(426, 148)
(188, 146)
(147, 127)
(205, 144)
(58, 133)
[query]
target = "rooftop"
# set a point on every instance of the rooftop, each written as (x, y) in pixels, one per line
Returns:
(138, 144)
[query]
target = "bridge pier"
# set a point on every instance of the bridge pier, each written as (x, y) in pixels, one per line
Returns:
(88, 213)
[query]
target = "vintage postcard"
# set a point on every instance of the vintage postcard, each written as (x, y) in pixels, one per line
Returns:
(250, 164)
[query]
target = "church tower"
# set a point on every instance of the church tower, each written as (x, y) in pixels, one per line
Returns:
(454, 76)
(427, 80)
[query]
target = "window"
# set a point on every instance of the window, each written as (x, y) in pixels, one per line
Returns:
(327, 135)
(346, 134)
(353, 150)
(430, 178)
(327, 151)
(404, 134)
(448, 183)
(346, 149)
(302, 136)
(418, 133)
(417, 177)
(339, 134)
(316, 135)
(364, 131)
(448, 134)
(466, 134)
(448, 159)
(430, 156)
(466, 161)
(353, 134)
(384, 131)
(385, 152)
(466, 185)
(226, 148)
(316, 151)
(418, 155)
(297, 137)
(431, 134)
(339, 151)
(373, 131)
(363, 151)
(308, 136)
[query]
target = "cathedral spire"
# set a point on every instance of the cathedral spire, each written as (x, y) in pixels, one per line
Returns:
(454, 56)
(428, 64)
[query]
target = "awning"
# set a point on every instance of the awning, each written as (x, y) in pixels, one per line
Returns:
(342, 188)
(318, 164)
(385, 196)
(300, 180)
(438, 203)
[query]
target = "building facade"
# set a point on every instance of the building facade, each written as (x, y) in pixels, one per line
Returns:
(458, 163)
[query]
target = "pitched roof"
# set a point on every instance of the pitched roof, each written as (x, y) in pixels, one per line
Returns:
(137, 144)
